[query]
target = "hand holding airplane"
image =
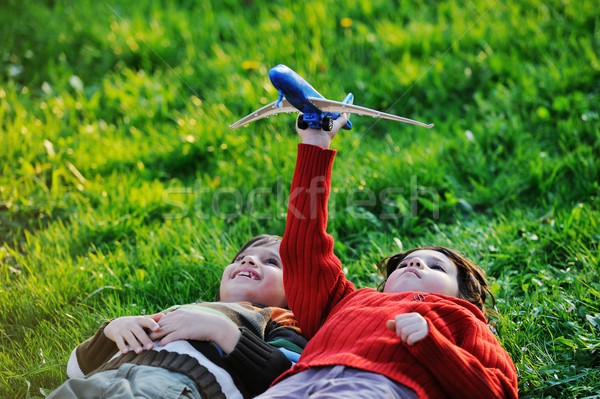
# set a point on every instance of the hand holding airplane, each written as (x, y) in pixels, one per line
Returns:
(316, 112)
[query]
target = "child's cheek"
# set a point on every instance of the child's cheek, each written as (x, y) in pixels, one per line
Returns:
(390, 282)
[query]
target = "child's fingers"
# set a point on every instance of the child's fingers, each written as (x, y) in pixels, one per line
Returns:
(135, 337)
(157, 316)
(405, 332)
(340, 122)
(132, 342)
(121, 344)
(154, 335)
(150, 322)
(409, 327)
(415, 337)
(143, 338)
(391, 324)
(172, 336)
(407, 317)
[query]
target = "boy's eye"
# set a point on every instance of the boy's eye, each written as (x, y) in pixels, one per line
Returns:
(401, 265)
(272, 261)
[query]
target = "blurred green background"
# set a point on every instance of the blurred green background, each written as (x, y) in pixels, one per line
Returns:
(124, 191)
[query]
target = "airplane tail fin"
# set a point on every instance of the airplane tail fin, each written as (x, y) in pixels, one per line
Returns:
(349, 99)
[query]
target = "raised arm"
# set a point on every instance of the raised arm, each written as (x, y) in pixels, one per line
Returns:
(313, 278)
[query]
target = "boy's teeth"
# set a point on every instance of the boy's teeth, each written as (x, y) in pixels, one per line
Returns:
(246, 274)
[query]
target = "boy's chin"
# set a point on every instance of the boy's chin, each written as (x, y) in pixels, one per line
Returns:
(239, 293)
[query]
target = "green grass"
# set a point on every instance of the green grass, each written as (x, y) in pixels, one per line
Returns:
(123, 191)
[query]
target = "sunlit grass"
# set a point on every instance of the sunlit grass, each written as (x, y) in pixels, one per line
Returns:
(123, 190)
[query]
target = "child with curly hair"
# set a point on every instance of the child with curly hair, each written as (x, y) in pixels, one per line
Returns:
(425, 335)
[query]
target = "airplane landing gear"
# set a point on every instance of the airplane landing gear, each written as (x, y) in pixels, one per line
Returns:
(327, 123)
(302, 125)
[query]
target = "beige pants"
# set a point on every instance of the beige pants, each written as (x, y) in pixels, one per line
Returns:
(128, 382)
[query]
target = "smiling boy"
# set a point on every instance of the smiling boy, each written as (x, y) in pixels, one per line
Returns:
(256, 276)
(233, 348)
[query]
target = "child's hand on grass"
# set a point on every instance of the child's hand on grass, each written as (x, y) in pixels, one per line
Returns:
(131, 332)
(409, 327)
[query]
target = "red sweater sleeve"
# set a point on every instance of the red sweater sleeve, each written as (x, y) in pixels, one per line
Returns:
(312, 274)
(477, 368)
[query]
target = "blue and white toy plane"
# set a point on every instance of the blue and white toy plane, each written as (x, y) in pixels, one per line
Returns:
(316, 112)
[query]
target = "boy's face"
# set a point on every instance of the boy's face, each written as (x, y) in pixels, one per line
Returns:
(425, 271)
(255, 276)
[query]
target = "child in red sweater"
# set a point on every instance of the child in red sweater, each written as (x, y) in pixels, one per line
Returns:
(424, 336)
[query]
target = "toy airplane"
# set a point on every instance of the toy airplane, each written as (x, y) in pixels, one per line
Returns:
(316, 112)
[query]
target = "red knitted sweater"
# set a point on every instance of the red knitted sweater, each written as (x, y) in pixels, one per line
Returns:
(460, 357)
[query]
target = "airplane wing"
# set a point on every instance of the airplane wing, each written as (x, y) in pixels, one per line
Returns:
(267, 110)
(335, 106)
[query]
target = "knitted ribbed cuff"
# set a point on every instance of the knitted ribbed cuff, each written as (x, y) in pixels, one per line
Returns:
(255, 362)
(95, 351)
(250, 351)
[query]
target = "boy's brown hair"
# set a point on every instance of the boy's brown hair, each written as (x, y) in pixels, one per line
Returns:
(261, 239)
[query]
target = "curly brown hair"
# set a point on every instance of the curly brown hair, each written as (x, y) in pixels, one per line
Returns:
(472, 284)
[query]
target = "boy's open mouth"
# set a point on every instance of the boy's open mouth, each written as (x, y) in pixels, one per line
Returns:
(247, 273)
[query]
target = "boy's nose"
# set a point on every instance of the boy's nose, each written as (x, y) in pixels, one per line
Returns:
(249, 260)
